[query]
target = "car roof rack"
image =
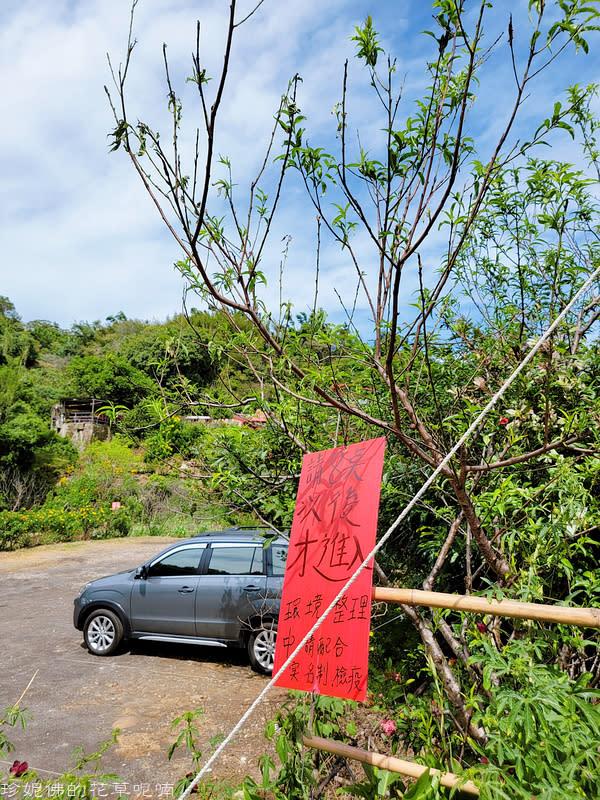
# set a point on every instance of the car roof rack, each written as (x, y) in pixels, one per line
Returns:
(242, 529)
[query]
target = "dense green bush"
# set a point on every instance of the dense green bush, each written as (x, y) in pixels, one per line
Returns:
(173, 437)
(48, 525)
(169, 352)
(543, 727)
(110, 378)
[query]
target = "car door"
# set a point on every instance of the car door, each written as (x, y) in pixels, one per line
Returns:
(276, 560)
(164, 600)
(231, 589)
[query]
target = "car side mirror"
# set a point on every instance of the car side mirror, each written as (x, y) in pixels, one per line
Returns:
(141, 572)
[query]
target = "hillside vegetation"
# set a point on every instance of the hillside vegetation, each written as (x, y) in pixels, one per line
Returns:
(474, 252)
(166, 472)
(173, 476)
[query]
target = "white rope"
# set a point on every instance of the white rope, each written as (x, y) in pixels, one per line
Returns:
(403, 514)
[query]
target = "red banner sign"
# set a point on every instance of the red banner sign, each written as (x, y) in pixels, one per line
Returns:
(334, 526)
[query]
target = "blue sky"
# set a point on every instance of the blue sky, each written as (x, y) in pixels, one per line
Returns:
(79, 238)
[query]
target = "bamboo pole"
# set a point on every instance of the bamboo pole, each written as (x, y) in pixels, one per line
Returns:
(390, 763)
(584, 617)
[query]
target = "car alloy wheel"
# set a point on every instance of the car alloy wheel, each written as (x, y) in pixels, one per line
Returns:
(103, 632)
(261, 648)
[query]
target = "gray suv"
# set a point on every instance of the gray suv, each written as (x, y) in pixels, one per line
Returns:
(221, 589)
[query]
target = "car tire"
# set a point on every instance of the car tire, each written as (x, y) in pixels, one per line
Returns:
(261, 648)
(103, 632)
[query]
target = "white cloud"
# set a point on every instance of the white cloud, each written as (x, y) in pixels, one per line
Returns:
(79, 238)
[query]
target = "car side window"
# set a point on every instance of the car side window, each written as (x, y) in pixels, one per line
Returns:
(180, 563)
(278, 559)
(236, 560)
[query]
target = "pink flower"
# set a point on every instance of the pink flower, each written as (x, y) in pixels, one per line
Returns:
(397, 677)
(481, 627)
(503, 420)
(18, 768)
(389, 726)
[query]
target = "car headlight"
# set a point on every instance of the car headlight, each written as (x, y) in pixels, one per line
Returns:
(83, 588)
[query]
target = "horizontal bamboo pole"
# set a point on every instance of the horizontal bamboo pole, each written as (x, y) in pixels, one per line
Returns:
(390, 763)
(584, 617)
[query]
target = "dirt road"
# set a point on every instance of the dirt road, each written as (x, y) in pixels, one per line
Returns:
(77, 699)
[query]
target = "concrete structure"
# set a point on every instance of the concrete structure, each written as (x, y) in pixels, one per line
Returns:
(79, 421)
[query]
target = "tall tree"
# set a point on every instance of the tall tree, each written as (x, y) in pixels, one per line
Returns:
(520, 240)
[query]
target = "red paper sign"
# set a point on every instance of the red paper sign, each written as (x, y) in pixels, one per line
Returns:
(333, 530)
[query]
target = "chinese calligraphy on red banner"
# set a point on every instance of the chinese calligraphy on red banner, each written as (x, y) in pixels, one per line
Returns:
(333, 530)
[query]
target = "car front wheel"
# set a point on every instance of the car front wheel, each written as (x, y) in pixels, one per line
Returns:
(261, 648)
(103, 632)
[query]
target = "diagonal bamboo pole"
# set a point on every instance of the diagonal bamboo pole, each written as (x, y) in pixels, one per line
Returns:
(584, 617)
(390, 763)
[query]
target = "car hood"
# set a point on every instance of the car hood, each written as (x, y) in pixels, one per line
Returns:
(116, 578)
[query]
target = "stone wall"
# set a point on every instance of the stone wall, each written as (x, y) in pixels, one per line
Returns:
(82, 433)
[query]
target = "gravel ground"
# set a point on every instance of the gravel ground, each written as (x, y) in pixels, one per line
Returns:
(76, 699)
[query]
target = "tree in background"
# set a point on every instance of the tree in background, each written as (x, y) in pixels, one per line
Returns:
(108, 376)
(450, 323)
(31, 455)
(16, 344)
(171, 354)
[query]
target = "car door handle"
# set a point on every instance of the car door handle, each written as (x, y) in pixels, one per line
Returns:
(252, 588)
(185, 590)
